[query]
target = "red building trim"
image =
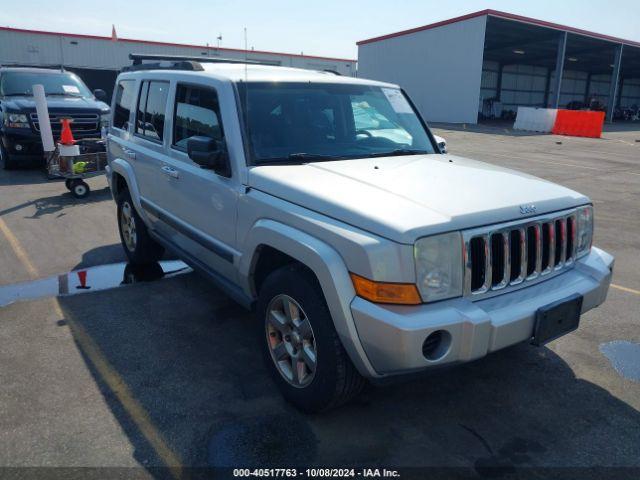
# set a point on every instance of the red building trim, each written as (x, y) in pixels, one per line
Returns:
(168, 44)
(507, 16)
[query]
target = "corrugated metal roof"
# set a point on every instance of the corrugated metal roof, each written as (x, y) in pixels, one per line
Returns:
(507, 16)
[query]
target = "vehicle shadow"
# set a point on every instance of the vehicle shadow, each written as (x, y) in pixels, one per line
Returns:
(191, 358)
(56, 204)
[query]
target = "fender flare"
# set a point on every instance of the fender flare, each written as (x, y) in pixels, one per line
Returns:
(123, 168)
(330, 270)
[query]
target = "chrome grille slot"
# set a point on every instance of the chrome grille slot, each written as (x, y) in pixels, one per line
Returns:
(503, 256)
(532, 251)
(478, 268)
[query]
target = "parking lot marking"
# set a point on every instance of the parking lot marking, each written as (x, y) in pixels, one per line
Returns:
(106, 371)
(119, 387)
(18, 250)
(626, 289)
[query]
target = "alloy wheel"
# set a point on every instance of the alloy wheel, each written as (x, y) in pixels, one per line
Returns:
(128, 226)
(291, 341)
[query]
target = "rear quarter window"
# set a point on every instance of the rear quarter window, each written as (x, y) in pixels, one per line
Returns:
(124, 97)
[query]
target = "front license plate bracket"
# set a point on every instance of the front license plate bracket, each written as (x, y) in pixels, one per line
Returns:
(557, 319)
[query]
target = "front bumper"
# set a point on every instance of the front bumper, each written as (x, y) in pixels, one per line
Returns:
(22, 145)
(392, 336)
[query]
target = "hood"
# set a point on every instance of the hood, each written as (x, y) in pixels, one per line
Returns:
(407, 197)
(27, 103)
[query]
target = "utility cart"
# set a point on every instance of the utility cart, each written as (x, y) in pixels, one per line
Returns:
(90, 162)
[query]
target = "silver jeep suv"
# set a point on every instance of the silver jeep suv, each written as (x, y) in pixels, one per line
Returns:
(324, 204)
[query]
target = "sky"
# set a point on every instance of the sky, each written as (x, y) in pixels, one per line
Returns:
(326, 27)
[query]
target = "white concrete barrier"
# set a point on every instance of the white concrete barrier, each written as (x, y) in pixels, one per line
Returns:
(534, 119)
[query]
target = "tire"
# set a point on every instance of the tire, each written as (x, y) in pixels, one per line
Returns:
(334, 380)
(79, 189)
(137, 243)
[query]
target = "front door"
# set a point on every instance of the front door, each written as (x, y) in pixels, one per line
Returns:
(199, 204)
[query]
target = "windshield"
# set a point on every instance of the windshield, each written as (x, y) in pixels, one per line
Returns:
(298, 122)
(63, 83)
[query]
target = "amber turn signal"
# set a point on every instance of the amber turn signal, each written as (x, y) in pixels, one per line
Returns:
(380, 292)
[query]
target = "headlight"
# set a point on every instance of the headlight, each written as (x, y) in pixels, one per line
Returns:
(16, 120)
(585, 230)
(439, 266)
(105, 119)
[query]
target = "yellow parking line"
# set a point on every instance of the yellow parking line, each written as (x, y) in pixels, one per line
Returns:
(118, 386)
(626, 289)
(18, 250)
(106, 371)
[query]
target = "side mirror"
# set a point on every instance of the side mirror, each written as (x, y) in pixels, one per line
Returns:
(209, 153)
(442, 143)
(100, 94)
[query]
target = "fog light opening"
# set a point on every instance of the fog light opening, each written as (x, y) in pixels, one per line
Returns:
(436, 345)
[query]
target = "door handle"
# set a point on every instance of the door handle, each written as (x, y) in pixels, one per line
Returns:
(172, 172)
(129, 153)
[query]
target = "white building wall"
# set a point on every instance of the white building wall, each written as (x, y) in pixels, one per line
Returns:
(37, 49)
(440, 68)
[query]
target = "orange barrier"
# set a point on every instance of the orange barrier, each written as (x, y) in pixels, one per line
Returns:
(579, 123)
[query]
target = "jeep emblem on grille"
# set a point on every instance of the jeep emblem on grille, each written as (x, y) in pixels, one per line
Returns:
(524, 209)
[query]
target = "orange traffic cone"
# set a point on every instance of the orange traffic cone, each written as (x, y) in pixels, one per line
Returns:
(66, 136)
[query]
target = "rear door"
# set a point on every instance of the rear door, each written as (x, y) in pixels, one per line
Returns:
(149, 149)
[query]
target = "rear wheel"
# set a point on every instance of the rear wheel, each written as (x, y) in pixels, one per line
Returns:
(136, 241)
(300, 344)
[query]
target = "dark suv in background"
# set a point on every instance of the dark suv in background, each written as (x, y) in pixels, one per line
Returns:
(67, 97)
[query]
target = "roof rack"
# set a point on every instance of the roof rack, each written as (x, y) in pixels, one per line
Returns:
(178, 62)
(192, 63)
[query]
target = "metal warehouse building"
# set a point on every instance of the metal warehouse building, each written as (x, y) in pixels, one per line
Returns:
(486, 64)
(98, 59)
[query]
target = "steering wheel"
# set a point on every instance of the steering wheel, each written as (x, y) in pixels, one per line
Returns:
(364, 132)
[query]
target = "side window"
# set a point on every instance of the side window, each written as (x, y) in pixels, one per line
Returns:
(151, 108)
(142, 105)
(197, 112)
(124, 97)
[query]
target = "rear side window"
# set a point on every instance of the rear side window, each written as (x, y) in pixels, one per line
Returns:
(197, 113)
(152, 103)
(124, 98)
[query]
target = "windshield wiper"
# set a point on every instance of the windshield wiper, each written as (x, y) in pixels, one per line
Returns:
(310, 156)
(398, 152)
(16, 94)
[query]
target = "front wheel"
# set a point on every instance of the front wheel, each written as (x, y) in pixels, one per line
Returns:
(136, 241)
(300, 344)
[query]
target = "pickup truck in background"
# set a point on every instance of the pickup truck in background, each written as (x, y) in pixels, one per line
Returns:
(67, 97)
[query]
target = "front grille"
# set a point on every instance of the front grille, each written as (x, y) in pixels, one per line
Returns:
(83, 123)
(510, 254)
